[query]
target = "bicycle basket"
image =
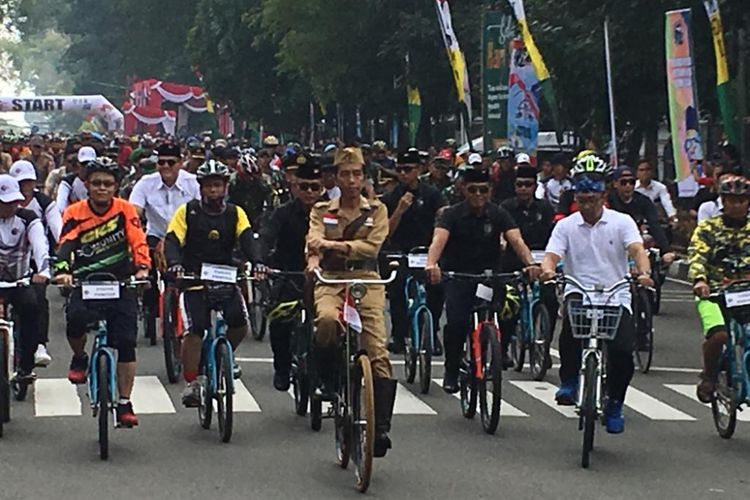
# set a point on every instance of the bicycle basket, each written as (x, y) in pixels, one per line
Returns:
(606, 319)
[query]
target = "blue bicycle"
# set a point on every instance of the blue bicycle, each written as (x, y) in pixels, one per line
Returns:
(102, 380)
(419, 343)
(733, 384)
(533, 331)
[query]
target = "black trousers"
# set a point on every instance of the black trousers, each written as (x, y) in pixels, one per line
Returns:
(24, 304)
(459, 305)
(619, 354)
(42, 305)
(397, 297)
(279, 330)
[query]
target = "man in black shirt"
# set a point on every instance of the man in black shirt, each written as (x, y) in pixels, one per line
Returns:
(467, 239)
(412, 206)
(282, 246)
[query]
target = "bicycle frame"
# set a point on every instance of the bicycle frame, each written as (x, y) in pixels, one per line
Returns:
(101, 347)
(527, 308)
(215, 335)
(415, 307)
(484, 314)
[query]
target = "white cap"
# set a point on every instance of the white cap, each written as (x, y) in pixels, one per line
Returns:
(523, 158)
(23, 170)
(475, 159)
(86, 153)
(10, 191)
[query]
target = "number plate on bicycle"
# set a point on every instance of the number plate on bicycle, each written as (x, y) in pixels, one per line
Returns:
(104, 290)
(737, 299)
(484, 292)
(417, 260)
(222, 274)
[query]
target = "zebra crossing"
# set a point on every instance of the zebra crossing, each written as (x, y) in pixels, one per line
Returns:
(56, 397)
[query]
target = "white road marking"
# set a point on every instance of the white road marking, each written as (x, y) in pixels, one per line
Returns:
(688, 390)
(149, 396)
(506, 409)
(56, 397)
(243, 400)
(409, 404)
(653, 408)
(544, 392)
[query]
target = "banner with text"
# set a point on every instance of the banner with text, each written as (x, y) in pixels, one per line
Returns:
(498, 30)
(523, 101)
(94, 104)
(683, 102)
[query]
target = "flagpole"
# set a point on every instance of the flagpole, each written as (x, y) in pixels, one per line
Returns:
(608, 58)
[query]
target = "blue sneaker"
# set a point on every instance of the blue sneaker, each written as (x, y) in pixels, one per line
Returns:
(615, 418)
(566, 395)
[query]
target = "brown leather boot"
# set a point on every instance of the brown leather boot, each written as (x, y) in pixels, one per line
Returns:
(712, 347)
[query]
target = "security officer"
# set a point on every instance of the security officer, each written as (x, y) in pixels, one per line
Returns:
(412, 206)
(282, 246)
(344, 239)
(468, 233)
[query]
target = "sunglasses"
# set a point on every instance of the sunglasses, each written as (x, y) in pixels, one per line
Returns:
(626, 182)
(309, 186)
(102, 184)
(171, 163)
(525, 184)
(478, 189)
(405, 169)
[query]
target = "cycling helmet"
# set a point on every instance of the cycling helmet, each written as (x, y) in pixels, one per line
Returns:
(103, 164)
(734, 184)
(248, 162)
(590, 164)
(512, 303)
(286, 311)
(212, 168)
(504, 153)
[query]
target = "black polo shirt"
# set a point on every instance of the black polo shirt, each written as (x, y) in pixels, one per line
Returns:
(283, 236)
(474, 243)
(417, 223)
(535, 220)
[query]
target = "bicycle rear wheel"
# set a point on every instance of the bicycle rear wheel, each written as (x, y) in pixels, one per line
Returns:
(104, 403)
(424, 320)
(644, 328)
(257, 311)
(518, 347)
(363, 422)
(205, 405)
(224, 391)
(724, 404)
(490, 385)
(539, 351)
(4, 382)
(172, 337)
(588, 409)
(468, 389)
(410, 359)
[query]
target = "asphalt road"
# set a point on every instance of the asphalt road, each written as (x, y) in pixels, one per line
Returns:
(669, 449)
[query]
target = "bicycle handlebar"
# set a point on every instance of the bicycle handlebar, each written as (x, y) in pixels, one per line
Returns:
(568, 280)
(483, 276)
(333, 281)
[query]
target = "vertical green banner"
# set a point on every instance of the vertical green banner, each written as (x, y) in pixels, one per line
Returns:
(498, 30)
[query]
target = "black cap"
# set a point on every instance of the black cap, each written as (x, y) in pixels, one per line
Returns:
(526, 172)
(409, 156)
(470, 174)
(309, 169)
(168, 149)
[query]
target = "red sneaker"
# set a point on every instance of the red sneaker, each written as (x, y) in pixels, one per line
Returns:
(78, 371)
(125, 415)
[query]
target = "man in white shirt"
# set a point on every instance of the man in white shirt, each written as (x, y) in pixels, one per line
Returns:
(655, 190)
(595, 244)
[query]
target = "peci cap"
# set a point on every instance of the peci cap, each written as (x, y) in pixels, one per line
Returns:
(475, 175)
(10, 191)
(526, 172)
(168, 149)
(349, 154)
(309, 169)
(23, 170)
(86, 154)
(409, 157)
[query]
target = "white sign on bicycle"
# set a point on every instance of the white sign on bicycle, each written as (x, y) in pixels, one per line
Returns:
(102, 290)
(219, 273)
(737, 299)
(484, 292)
(417, 260)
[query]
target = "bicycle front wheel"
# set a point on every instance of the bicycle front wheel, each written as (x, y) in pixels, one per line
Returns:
(539, 352)
(171, 337)
(4, 382)
(425, 350)
(257, 311)
(105, 404)
(224, 391)
(724, 403)
(644, 329)
(518, 347)
(363, 422)
(467, 384)
(490, 385)
(588, 409)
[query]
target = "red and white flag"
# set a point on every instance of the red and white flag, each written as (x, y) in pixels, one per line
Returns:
(350, 316)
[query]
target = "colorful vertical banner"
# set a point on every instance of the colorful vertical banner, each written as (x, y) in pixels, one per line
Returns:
(723, 90)
(456, 57)
(415, 113)
(498, 30)
(523, 101)
(538, 62)
(683, 102)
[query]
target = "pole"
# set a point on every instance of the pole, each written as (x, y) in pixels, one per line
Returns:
(312, 124)
(612, 128)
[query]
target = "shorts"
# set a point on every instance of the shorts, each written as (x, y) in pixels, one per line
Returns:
(711, 316)
(198, 304)
(121, 316)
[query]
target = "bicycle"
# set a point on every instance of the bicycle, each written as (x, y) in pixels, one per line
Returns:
(534, 329)
(258, 293)
(480, 369)
(10, 357)
(102, 380)
(300, 343)
(147, 314)
(353, 408)
(643, 316)
(733, 383)
(419, 343)
(216, 378)
(593, 321)
(172, 329)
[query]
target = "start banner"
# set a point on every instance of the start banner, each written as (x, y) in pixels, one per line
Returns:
(95, 104)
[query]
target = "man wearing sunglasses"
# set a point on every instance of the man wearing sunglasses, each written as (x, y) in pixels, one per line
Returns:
(412, 207)
(624, 198)
(282, 246)
(467, 239)
(439, 170)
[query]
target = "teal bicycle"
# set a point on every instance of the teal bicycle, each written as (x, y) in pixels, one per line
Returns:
(733, 384)
(533, 331)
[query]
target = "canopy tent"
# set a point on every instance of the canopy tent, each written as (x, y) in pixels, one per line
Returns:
(146, 98)
(94, 104)
(148, 116)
